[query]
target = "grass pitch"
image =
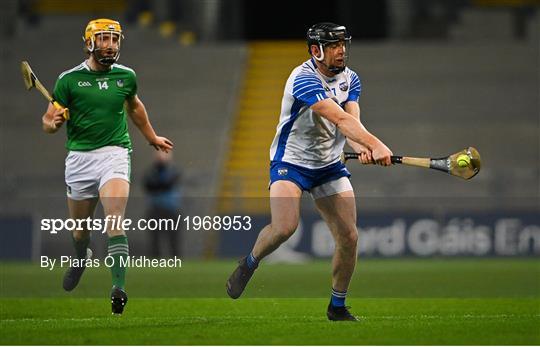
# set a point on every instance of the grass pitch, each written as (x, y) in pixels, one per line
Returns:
(402, 301)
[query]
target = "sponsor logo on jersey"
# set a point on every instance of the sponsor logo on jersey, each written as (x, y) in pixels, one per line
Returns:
(84, 84)
(283, 171)
(343, 86)
(120, 83)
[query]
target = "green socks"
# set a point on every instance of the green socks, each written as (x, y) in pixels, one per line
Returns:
(118, 249)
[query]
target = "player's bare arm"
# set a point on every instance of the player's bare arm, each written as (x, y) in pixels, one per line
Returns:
(352, 128)
(139, 116)
(53, 119)
(365, 157)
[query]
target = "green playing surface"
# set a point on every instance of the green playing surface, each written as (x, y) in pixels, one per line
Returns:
(401, 301)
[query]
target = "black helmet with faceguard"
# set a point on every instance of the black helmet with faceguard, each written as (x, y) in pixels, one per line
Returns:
(323, 34)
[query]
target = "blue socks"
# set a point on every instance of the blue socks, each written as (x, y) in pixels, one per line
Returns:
(338, 298)
(252, 262)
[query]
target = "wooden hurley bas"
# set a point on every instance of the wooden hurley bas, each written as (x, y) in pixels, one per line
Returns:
(31, 81)
(447, 164)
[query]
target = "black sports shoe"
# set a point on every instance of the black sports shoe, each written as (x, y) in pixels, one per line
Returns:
(239, 279)
(73, 274)
(340, 313)
(119, 300)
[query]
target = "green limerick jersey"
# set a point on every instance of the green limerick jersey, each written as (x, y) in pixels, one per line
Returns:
(96, 104)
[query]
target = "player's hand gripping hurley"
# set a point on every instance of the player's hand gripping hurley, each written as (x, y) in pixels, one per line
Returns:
(31, 81)
(465, 164)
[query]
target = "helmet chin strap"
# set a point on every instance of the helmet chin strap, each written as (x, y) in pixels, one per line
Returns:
(107, 61)
(336, 70)
(332, 69)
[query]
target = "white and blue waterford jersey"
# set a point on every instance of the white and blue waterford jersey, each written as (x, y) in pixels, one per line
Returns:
(303, 137)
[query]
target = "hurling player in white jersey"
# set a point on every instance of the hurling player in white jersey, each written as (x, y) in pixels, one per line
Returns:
(319, 113)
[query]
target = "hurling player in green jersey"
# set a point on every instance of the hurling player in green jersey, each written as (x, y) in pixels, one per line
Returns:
(100, 94)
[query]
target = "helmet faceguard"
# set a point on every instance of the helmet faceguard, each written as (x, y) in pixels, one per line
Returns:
(324, 34)
(100, 28)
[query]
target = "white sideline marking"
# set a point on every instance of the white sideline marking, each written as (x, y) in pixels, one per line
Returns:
(425, 317)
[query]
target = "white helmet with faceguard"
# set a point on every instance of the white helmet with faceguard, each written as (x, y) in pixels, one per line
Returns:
(105, 29)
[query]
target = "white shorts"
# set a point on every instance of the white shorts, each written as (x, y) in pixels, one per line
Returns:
(87, 172)
(342, 184)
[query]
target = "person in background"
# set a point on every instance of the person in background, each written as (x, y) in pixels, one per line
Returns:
(162, 185)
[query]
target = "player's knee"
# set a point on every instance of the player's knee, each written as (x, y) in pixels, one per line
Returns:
(114, 207)
(353, 236)
(348, 239)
